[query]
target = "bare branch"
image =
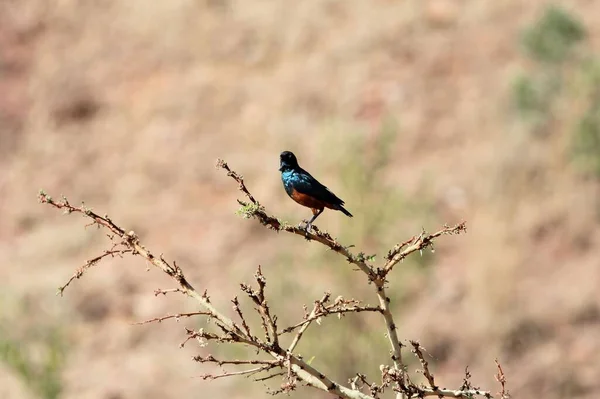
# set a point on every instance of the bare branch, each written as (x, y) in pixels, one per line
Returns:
(268, 377)
(236, 373)
(264, 307)
(130, 241)
(320, 309)
(424, 364)
(353, 309)
(318, 305)
(92, 262)
(360, 381)
(238, 310)
(449, 393)
(212, 359)
(173, 316)
(202, 336)
(292, 367)
(502, 380)
(269, 322)
(254, 209)
(418, 243)
(158, 292)
(392, 333)
(397, 254)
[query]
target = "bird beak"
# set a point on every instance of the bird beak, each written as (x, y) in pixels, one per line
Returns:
(280, 168)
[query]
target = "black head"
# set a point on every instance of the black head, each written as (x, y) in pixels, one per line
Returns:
(287, 160)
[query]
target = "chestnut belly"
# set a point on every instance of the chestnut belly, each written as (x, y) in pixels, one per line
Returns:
(308, 201)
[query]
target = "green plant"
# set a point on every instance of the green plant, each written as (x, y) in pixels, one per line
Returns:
(552, 38)
(561, 78)
(550, 43)
(586, 139)
(534, 96)
(38, 358)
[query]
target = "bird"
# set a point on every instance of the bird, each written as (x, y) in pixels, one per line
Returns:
(306, 190)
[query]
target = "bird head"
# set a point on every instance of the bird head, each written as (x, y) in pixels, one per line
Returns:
(287, 160)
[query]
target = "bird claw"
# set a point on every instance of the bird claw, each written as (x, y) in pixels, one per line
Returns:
(306, 228)
(307, 233)
(304, 224)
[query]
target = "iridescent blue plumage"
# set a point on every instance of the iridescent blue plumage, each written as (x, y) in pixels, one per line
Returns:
(305, 189)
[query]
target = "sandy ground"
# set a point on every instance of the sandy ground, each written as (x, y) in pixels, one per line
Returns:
(127, 106)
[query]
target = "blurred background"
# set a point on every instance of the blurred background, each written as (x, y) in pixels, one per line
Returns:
(417, 113)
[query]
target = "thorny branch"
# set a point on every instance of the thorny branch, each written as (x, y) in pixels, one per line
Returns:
(266, 366)
(174, 316)
(287, 364)
(377, 276)
(211, 359)
(233, 333)
(235, 373)
(92, 262)
(418, 243)
(501, 378)
(238, 310)
(258, 297)
(317, 309)
(339, 307)
(165, 292)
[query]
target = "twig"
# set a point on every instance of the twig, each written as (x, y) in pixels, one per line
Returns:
(449, 393)
(268, 377)
(238, 310)
(173, 316)
(502, 380)
(418, 243)
(392, 333)
(392, 252)
(269, 322)
(318, 305)
(424, 364)
(411, 390)
(238, 178)
(201, 335)
(354, 309)
(264, 307)
(234, 373)
(158, 291)
(131, 241)
(362, 379)
(92, 262)
(212, 359)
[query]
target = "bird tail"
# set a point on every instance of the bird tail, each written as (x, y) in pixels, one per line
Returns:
(344, 211)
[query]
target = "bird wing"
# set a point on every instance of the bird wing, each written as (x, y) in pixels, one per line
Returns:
(306, 184)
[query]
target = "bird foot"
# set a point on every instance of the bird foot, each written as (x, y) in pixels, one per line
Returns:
(306, 227)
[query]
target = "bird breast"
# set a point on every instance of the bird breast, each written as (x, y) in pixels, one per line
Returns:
(287, 178)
